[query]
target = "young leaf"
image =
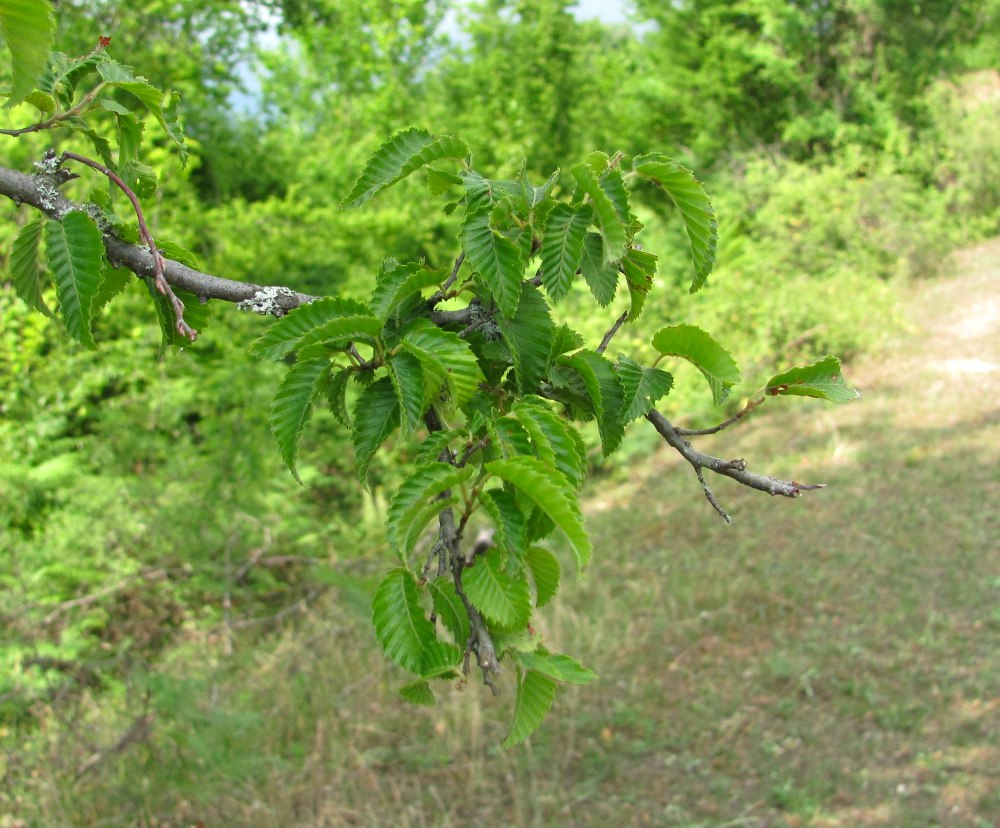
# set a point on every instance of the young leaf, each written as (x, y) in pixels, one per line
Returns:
(417, 691)
(535, 694)
(562, 247)
(512, 530)
(606, 394)
(400, 624)
(545, 572)
(283, 336)
(552, 493)
(698, 347)
(27, 27)
(416, 502)
(497, 260)
(484, 192)
(822, 379)
(75, 254)
(696, 209)
(404, 153)
(395, 282)
(450, 609)
(605, 215)
(113, 281)
(528, 334)
(504, 599)
(639, 268)
(601, 277)
(336, 396)
(376, 416)
(643, 387)
(555, 665)
(292, 406)
(24, 268)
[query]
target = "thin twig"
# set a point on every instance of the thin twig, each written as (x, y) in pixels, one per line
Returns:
(138, 731)
(59, 117)
(611, 332)
(739, 415)
(162, 285)
(439, 295)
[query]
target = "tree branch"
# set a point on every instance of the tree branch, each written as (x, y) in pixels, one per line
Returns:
(611, 332)
(739, 415)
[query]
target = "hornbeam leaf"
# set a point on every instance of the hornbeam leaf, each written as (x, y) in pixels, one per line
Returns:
(284, 335)
(27, 27)
(605, 214)
(503, 598)
(552, 493)
(404, 153)
(292, 406)
(512, 530)
(339, 332)
(336, 396)
(400, 624)
(528, 334)
(555, 439)
(822, 379)
(606, 394)
(601, 277)
(562, 247)
(418, 692)
(555, 665)
(408, 380)
(376, 416)
(497, 260)
(416, 502)
(643, 387)
(395, 282)
(75, 253)
(113, 281)
(545, 572)
(450, 609)
(445, 358)
(24, 267)
(535, 694)
(440, 660)
(696, 209)
(639, 268)
(698, 347)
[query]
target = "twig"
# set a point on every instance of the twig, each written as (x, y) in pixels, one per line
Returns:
(736, 469)
(439, 295)
(611, 332)
(87, 600)
(159, 279)
(302, 605)
(138, 731)
(739, 415)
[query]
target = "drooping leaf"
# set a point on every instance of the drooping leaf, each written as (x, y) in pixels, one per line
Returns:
(404, 153)
(408, 380)
(283, 336)
(545, 572)
(643, 387)
(395, 282)
(336, 396)
(535, 694)
(555, 665)
(503, 598)
(512, 530)
(292, 406)
(639, 268)
(439, 181)
(696, 209)
(27, 27)
(606, 394)
(450, 609)
(114, 280)
(601, 277)
(75, 253)
(417, 691)
(417, 502)
(445, 358)
(552, 493)
(528, 334)
(562, 247)
(25, 271)
(440, 660)
(610, 224)
(400, 624)
(556, 440)
(497, 260)
(822, 379)
(376, 416)
(700, 348)
(613, 184)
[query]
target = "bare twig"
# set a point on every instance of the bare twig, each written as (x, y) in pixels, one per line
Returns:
(138, 731)
(611, 332)
(739, 415)
(439, 295)
(87, 600)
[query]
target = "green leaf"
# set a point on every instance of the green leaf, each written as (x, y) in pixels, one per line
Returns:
(336, 396)
(696, 209)
(195, 314)
(339, 333)
(643, 387)
(698, 347)
(75, 253)
(512, 438)
(639, 267)
(562, 247)
(512, 530)
(545, 572)
(552, 493)
(435, 443)
(605, 215)
(404, 153)
(439, 181)
(450, 609)
(376, 416)
(408, 380)
(440, 660)
(565, 339)
(395, 282)
(417, 691)
(416, 502)
(497, 260)
(528, 334)
(503, 598)
(535, 694)
(484, 192)
(27, 27)
(113, 281)
(400, 624)
(555, 665)
(445, 358)
(292, 406)
(606, 394)
(25, 271)
(284, 335)
(555, 439)
(601, 277)
(822, 380)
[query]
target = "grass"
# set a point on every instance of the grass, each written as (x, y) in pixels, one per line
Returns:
(829, 661)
